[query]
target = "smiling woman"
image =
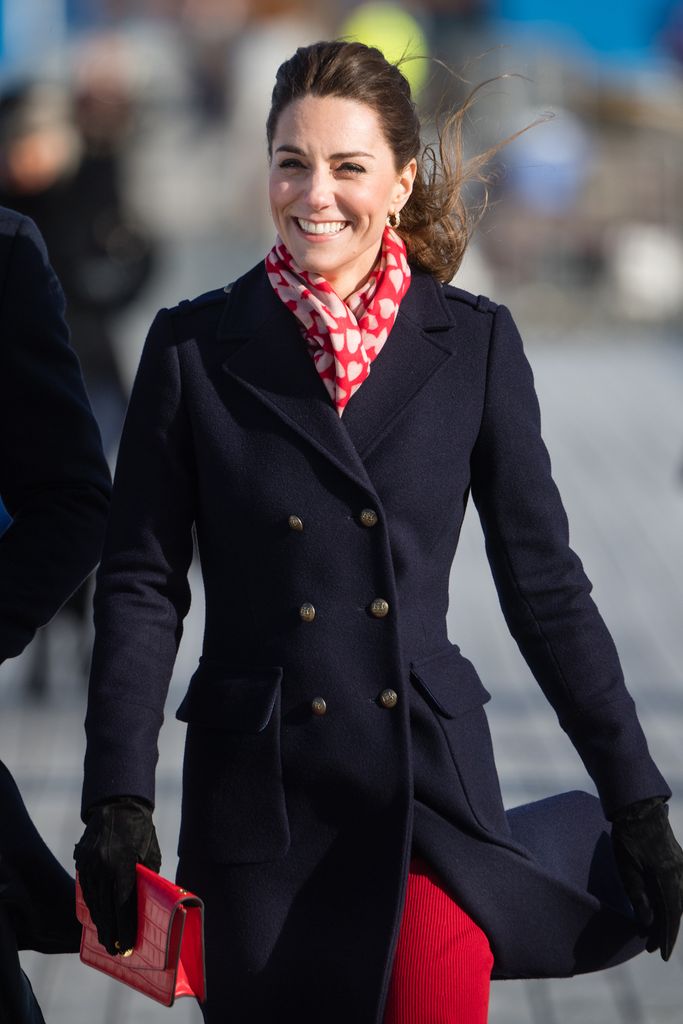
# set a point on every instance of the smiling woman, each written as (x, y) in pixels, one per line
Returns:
(321, 424)
(333, 182)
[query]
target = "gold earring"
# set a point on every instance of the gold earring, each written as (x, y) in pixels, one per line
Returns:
(394, 219)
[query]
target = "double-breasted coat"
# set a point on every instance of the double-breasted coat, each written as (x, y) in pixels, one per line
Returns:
(333, 726)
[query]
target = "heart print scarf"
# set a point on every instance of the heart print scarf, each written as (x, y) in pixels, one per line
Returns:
(343, 338)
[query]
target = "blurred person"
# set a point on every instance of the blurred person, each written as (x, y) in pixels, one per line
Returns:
(60, 166)
(541, 235)
(320, 424)
(210, 27)
(55, 484)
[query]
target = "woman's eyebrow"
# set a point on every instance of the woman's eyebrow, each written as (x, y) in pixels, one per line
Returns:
(346, 156)
(333, 156)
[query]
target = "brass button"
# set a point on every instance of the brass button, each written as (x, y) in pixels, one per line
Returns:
(307, 612)
(369, 517)
(319, 706)
(388, 698)
(295, 523)
(379, 608)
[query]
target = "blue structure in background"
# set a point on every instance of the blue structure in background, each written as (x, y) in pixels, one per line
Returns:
(628, 29)
(30, 32)
(2, 29)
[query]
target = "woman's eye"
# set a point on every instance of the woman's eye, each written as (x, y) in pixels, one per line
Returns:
(353, 168)
(294, 163)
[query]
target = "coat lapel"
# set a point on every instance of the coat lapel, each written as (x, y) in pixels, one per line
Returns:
(274, 365)
(411, 354)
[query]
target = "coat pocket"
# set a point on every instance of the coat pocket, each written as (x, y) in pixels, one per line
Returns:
(233, 797)
(449, 684)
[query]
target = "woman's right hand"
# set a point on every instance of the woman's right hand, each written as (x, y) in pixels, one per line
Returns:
(650, 862)
(119, 834)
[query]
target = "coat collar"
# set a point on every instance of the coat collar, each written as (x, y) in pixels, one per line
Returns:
(274, 365)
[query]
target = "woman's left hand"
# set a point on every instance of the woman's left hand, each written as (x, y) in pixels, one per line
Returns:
(118, 835)
(650, 862)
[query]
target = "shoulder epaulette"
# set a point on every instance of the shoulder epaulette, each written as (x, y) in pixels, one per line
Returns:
(479, 302)
(216, 295)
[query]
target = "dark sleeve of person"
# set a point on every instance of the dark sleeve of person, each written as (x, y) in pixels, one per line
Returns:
(54, 480)
(543, 590)
(142, 593)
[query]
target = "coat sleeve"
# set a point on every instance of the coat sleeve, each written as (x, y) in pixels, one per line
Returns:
(543, 590)
(54, 479)
(142, 593)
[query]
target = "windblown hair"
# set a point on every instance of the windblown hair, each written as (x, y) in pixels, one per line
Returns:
(436, 223)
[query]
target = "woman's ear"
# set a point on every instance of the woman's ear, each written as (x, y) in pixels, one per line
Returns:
(404, 184)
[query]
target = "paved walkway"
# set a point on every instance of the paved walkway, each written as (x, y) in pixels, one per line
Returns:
(614, 424)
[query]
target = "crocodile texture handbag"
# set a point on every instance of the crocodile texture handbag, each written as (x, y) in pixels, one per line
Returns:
(168, 958)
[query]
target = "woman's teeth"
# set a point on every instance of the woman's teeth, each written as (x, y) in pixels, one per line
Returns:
(326, 227)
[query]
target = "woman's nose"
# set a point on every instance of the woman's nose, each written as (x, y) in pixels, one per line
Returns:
(319, 192)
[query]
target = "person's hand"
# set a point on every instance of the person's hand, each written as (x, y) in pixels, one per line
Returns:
(119, 833)
(650, 862)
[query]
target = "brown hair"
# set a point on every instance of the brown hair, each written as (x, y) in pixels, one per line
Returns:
(436, 223)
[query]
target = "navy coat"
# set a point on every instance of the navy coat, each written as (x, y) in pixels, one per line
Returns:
(297, 827)
(54, 479)
(55, 483)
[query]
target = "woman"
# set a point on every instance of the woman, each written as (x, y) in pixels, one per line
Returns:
(341, 816)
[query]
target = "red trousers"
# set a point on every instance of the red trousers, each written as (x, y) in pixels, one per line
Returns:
(442, 966)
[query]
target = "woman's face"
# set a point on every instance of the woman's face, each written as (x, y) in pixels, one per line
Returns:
(333, 180)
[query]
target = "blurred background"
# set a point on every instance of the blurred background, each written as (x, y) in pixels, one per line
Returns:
(133, 132)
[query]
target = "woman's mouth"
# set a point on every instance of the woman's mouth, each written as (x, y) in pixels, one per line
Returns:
(321, 227)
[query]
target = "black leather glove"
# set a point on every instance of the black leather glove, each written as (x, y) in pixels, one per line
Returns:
(650, 862)
(119, 833)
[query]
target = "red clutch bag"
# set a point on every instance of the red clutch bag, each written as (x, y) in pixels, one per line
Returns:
(168, 958)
